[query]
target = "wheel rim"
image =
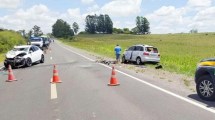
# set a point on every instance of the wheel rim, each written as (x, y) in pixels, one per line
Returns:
(206, 88)
(138, 61)
(29, 62)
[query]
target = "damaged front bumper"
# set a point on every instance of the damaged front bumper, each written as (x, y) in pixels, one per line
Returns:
(14, 62)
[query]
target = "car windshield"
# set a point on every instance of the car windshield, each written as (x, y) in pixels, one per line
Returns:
(25, 49)
(35, 39)
(152, 49)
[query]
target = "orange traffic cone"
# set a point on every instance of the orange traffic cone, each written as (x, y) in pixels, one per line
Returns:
(113, 79)
(55, 78)
(11, 77)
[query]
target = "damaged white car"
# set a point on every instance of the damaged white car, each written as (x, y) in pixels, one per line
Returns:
(24, 55)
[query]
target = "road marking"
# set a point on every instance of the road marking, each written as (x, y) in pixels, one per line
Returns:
(53, 91)
(151, 85)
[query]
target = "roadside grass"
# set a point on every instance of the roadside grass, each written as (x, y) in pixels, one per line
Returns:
(7, 40)
(180, 53)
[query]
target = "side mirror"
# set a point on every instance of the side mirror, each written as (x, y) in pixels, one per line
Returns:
(126, 49)
(30, 51)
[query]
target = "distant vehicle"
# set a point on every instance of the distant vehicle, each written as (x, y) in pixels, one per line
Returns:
(24, 55)
(141, 54)
(46, 40)
(205, 79)
(37, 41)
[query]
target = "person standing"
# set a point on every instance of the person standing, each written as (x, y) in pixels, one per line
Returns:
(117, 52)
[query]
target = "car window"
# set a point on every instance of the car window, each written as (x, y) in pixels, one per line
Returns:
(152, 49)
(139, 48)
(35, 48)
(32, 49)
(131, 48)
(35, 39)
(20, 49)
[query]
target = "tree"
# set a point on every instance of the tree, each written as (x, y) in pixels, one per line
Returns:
(98, 24)
(30, 33)
(90, 24)
(75, 27)
(194, 31)
(36, 31)
(142, 25)
(62, 29)
(108, 25)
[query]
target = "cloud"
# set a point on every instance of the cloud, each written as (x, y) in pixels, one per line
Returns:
(199, 3)
(168, 19)
(10, 3)
(122, 8)
(25, 19)
(87, 1)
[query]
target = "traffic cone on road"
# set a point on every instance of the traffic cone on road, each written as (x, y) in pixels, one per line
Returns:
(11, 77)
(55, 78)
(113, 79)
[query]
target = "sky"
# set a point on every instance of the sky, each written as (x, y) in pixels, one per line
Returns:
(164, 16)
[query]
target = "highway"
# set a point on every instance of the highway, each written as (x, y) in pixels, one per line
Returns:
(85, 95)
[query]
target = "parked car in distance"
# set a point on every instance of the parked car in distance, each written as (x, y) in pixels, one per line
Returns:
(205, 79)
(37, 41)
(141, 54)
(46, 40)
(24, 55)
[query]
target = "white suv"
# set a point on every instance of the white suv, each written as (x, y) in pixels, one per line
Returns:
(140, 54)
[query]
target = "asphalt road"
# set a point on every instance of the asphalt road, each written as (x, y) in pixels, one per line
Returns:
(84, 94)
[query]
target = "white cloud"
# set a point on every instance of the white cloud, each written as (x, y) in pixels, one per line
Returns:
(26, 19)
(87, 1)
(199, 3)
(10, 3)
(122, 8)
(168, 19)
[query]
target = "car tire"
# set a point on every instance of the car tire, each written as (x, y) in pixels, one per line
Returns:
(206, 88)
(28, 62)
(42, 59)
(123, 59)
(138, 61)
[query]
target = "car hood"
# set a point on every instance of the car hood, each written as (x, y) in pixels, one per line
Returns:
(12, 54)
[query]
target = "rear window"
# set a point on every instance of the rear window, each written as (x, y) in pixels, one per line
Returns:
(152, 49)
(35, 39)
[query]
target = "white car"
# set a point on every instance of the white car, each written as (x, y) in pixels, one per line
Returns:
(141, 54)
(24, 55)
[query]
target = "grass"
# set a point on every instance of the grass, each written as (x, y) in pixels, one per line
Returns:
(180, 53)
(7, 40)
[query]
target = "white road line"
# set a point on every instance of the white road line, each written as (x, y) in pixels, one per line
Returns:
(53, 91)
(151, 85)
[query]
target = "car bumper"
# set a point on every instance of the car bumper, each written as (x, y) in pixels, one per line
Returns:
(19, 62)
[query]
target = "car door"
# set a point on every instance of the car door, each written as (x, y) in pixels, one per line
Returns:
(136, 52)
(37, 53)
(32, 54)
(128, 53)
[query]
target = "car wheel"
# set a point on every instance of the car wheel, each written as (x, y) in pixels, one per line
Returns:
(42, 59)
(123, 59)
(28, 62)
(206, 88)
(138, 61)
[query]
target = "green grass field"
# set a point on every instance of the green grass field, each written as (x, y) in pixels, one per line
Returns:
(180, 53)
(7, 40)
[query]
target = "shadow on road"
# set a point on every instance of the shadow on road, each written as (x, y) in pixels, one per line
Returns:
(209, 104)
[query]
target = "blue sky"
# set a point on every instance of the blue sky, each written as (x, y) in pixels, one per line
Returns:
(165, 16)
